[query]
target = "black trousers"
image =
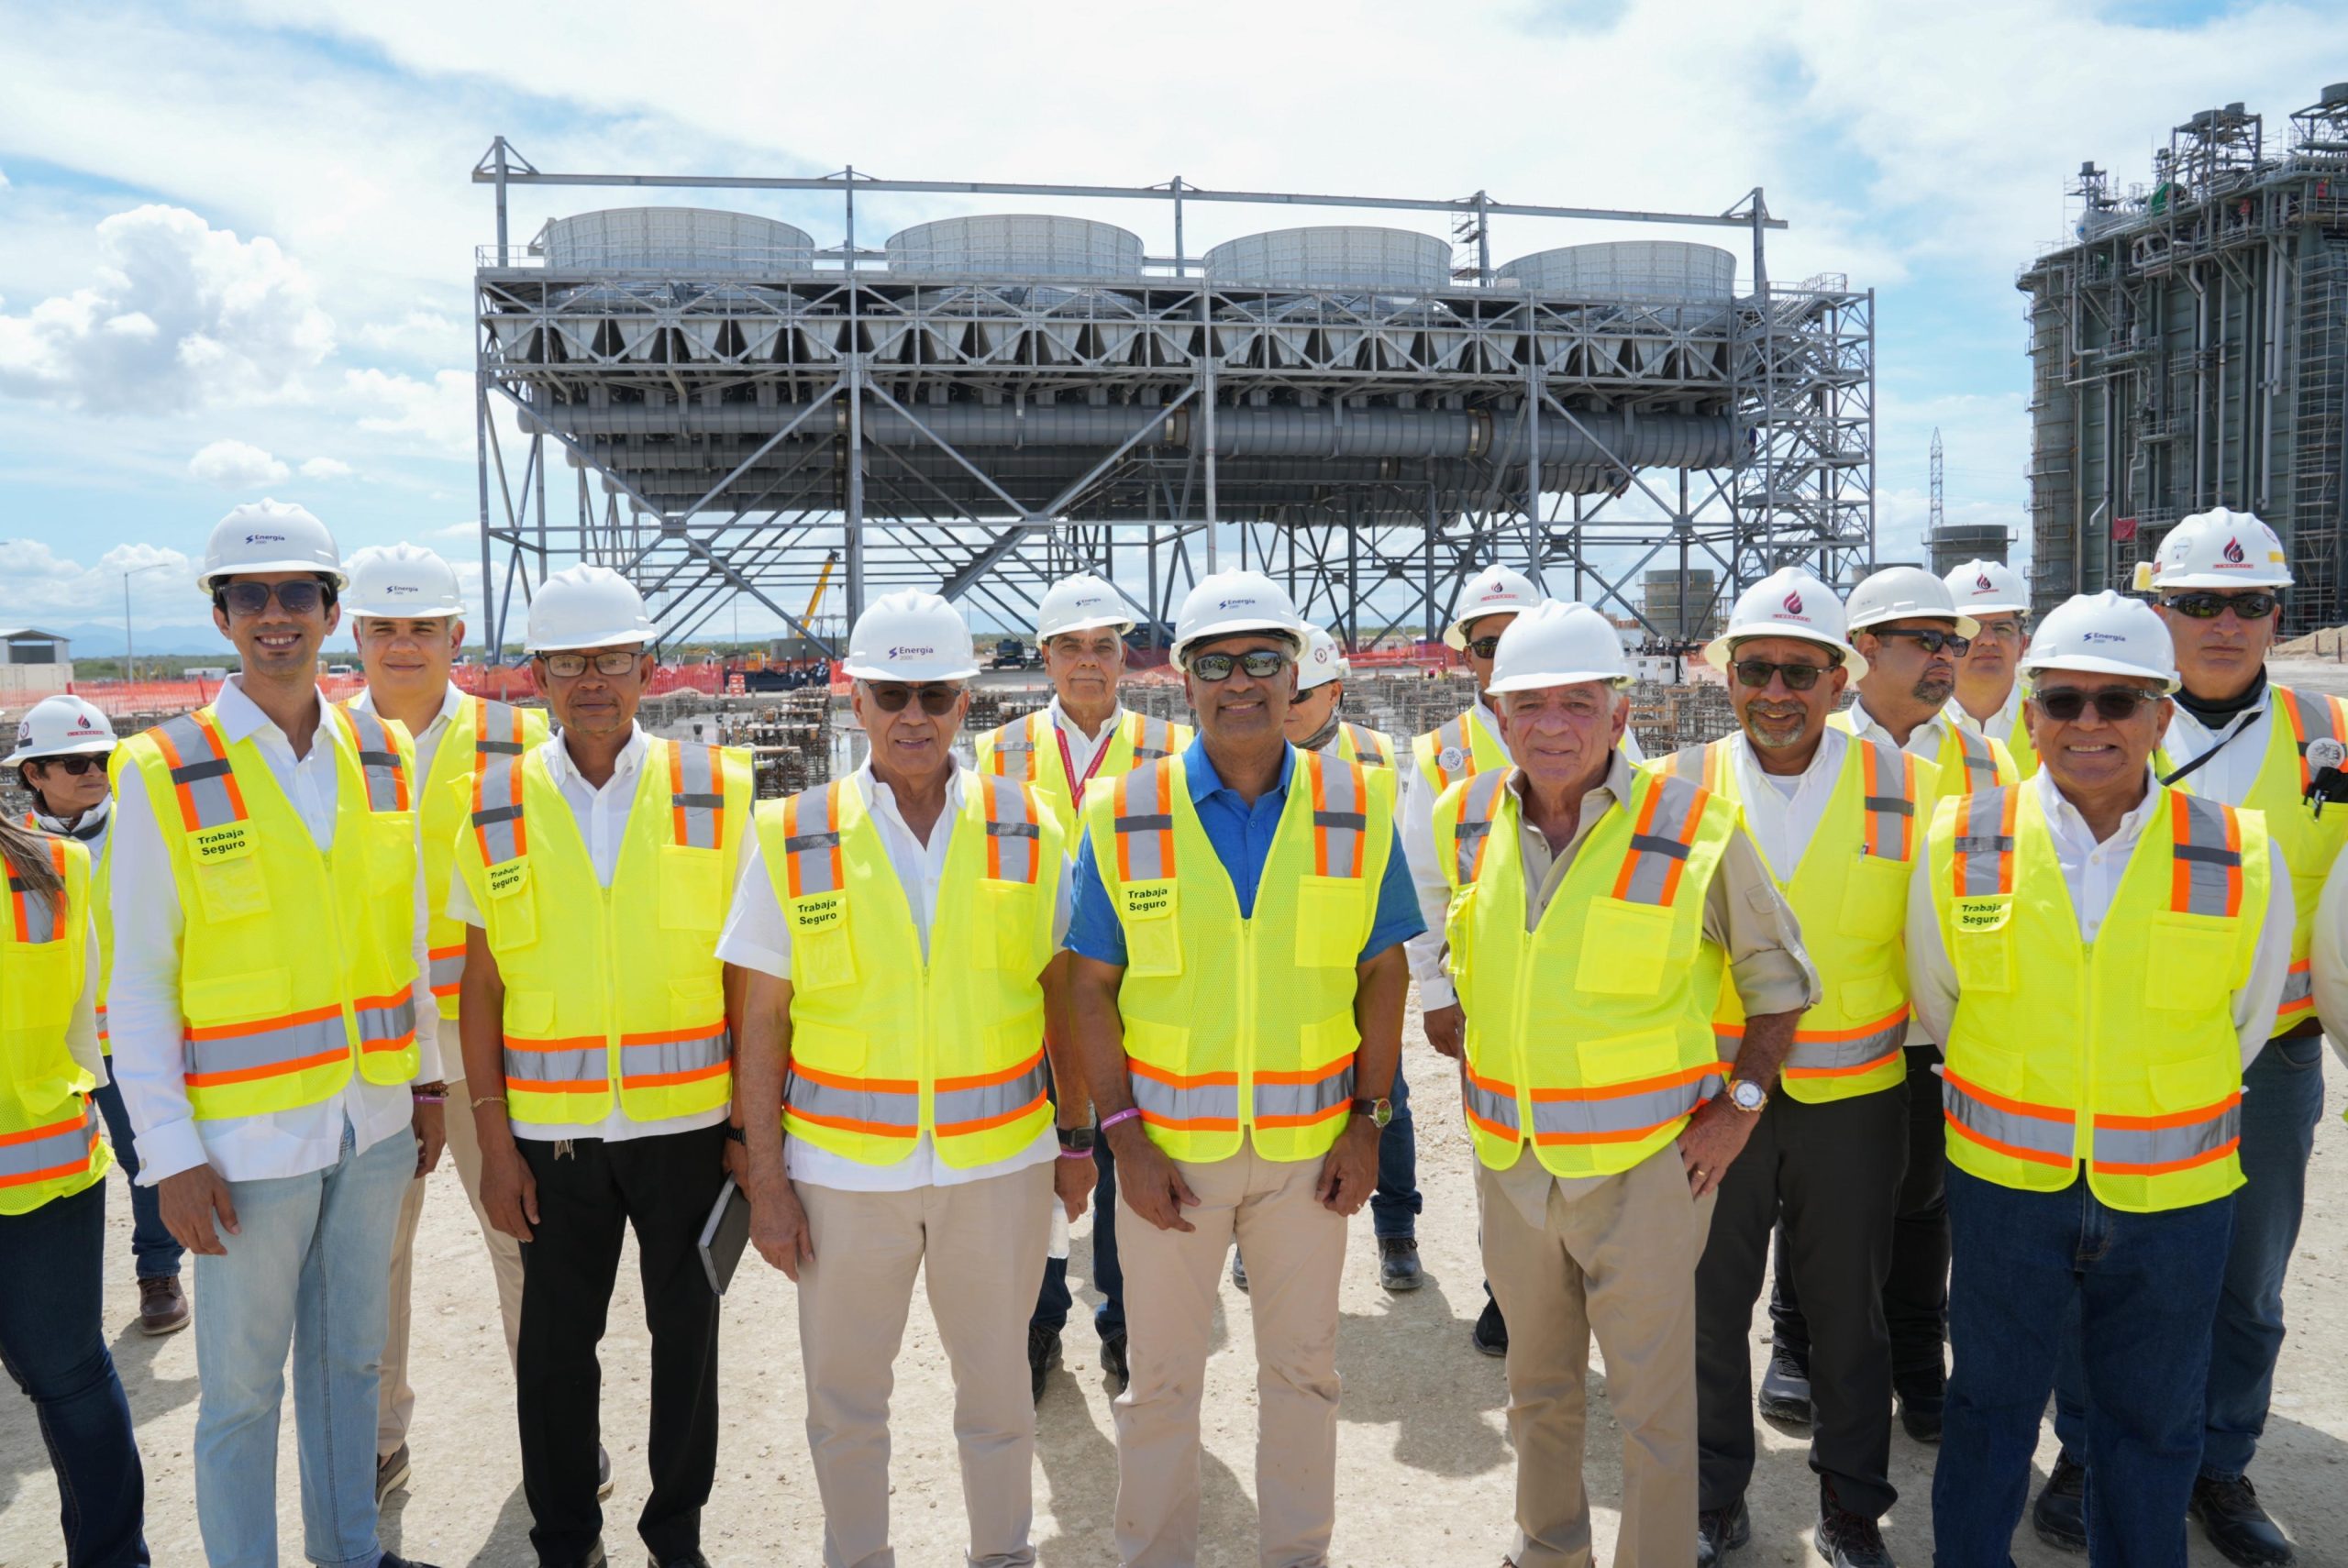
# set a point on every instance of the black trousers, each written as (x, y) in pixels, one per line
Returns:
(1832, 1172)
(590, 1192)
(1915, 1296)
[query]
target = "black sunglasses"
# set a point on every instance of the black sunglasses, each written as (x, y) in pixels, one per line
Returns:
(1756, 673)
(1485, 647)
(76, 766)
(937, 698)
(1932, 639)
(2113, 704)
(2210, 606)
(1261, 664)
(302, 596)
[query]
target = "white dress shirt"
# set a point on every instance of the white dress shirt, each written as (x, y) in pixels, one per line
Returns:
(757, 936)
(602, 815)
(1083, 748)
(1782, 811)
(2091, 873)
(427, 744)
(143, 1015)
(2000, 724)
(2232, 774)
(1923, 742)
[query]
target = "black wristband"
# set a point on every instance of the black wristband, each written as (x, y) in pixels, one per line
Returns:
(736, 1134)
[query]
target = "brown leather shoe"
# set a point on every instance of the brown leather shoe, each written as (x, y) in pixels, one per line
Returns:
(162, 1306)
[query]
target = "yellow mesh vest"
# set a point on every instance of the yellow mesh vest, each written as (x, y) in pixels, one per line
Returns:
(49, 1146)
(294, 966)
(2124, 1054)
(1243, 1026)
(884, 1045)
(2017, 746)
(1028, 750)
(615, 990)
(102, 914)
(1359, 743)
(479, 732)
(1458, 748)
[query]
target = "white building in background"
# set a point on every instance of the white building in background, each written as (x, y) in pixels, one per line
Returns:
(34, 664)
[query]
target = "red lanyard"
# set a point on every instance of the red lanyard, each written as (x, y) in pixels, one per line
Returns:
(1068, 762)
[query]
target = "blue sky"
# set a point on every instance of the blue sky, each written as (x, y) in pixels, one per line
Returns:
(235, 240)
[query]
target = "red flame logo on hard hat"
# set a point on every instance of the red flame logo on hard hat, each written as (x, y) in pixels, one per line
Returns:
(1793, 603)
(1981, 580)
(2233, 551)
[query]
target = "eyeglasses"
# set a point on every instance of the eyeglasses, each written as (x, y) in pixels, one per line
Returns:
(607, 661)
(1756, 673)
(938, 697)
(2012, 631)
(1261, 664)
(76, 766)
(1932, 639)
(2210, 606)
(302, 596)
(1485, 647)
(2113, 704)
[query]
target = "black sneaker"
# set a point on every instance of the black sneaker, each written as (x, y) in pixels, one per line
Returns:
(2060, 1515)
(1848, 1540)
(1238, 1270)
(1720, 1531)
(2236, 1524)
(1490, 1332)
(1398, 1263)
(1112, 1361)
(1921, 1410)
(1043, 1354)
(1785, 1390)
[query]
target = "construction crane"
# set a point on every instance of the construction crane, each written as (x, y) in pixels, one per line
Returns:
(823, 580)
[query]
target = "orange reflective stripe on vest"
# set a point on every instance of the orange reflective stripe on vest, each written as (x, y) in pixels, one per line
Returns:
(1660, 842)
(497, 812)
(1145, 823)
(696, 797)
(201, 777)
(1340, 817)
(813, 850)
(62, 1149)
(981, 1100)
(1201, 1102)
(1984, 854)
(36, 918)
(880, 1108)
(1891, 811)
(1473, 828)
(1013, 837)
(379, 761)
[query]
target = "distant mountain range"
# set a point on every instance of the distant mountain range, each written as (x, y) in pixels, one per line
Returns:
(95, 640)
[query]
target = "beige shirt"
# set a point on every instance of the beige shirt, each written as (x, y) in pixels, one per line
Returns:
(1744, 916)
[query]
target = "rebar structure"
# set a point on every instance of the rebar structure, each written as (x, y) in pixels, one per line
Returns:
(2189, 350)
(985, 404)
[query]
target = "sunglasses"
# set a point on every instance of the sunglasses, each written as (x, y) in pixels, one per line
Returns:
(937, 698)
(2210, 606)
(1756, 673)
(304, 596)
(607, 661)
(1261, 664)
(1485, 647)
(76, 766)
(1932, 639)
(2113, 704)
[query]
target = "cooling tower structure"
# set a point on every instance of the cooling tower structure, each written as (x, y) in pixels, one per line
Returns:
(714, 402)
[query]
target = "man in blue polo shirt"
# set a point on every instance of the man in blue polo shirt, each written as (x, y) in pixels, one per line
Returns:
(1238, 992)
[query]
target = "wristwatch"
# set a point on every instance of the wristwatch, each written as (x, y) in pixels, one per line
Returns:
(1381, 1112)
(736, 1134)
(1076, 1140)
(1748, 1096)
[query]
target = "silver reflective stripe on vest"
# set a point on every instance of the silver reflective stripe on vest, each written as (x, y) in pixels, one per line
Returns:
(669, 1058)
(380, 1024)
(1017, 744)
(1491, 1105)
(1014, 840)
(812, 855)
(1978, 762)
(1982, 857)
(281, 1049)
(2151, 1150)
(887, 1113)
(1654, 852)
(1618, 1117)
(497, 731)
(448, 974)
(498, 822)
(1145, 826)
(1477, 810)
(1844, 1056)
(699, 799)
(38, 912)
(1155, 740)
(1691, 763)
(1365, 746)
(53, 1149)
(2314, 721)
(2298, 987)
(202, 775)
(1890, 817)
(2213, 867)
(965, 1110)
(1340, 822)
(1164, 1103)
(1278, 1104)
(379, 762)
(2047, 1139)
(547, 1071)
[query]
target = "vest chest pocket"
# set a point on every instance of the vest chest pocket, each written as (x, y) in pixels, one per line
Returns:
(1981, 943)
(1328, 923)
(36, 997)
(512, 905)
(1624, 947)
(228, 881)
(821, 956)
(1874, 899)
(1153, 930)
(693, 888)
(1007, 937)
(2196, 962)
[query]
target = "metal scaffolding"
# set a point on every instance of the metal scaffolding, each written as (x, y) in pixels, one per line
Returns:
(717, 435)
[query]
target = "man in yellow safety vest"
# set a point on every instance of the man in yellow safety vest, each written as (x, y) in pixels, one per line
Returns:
(591, 873)
(1988, 686)
(2100, 956)
(274, 1034)
(1238, 990)
(901, 930)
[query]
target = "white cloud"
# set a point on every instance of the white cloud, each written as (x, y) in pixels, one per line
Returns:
(422, 333)
(236, 465)
(437, 414)
(325, 468)
(47, 586)
(181, 316)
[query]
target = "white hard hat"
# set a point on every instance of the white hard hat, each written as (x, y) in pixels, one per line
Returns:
(403, 581)
(2105, 633)
(586, 607)
(1554, 644)
(910, 635)
(60, 726)
(1903, 594)
(1082, 603)
(1232, 602)
(270, 535)
(2220, 549)
(1789, 602)
(1988, 588)
(1495, 590)
(1323, 662)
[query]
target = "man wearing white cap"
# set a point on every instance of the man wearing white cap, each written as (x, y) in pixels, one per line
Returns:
(901, 930)
(1836, 817)
(275, 1035)
(407, 619)
(2102, 956)
(598, 1023)
(2238, 738)
(1238, 990)
(1083, 733)
(1596, 909)
(1989, 687)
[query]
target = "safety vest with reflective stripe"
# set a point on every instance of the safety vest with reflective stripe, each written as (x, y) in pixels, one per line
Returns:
(1359, 743)
(1243, 1026)
(294, 966)
(101, 914)
(1850, 893)
(1966, 760)
(1457, 748)
(49, 1146)
(2017, 746)
(885, 1045)
(619, 989)
(1592, 1035)
(1027, 750)
(2309, 844)
(2121, 1054)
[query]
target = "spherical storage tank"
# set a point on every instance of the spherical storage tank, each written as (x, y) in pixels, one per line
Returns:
(676, 239)
(1016, 245)
(1629, 269)
(1387, 260)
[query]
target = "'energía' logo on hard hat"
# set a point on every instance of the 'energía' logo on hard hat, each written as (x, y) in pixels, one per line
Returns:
(2103, 636)
(1234, 604)
(264, 538)
(398, 587)
(910, 652)
(2234, 552)
(1793, 603)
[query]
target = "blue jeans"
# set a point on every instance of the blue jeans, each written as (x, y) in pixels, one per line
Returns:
(55, 1350)
(1394, 1206)
(2145, 1289)
(2281, 1103)
(154, 1255)
(309, 1271)
(1054, 1302)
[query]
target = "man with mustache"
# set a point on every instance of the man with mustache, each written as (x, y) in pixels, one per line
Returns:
(1988, 690)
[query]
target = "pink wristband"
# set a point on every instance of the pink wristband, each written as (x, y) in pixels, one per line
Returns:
(1076, 1154)
(1128, 1114)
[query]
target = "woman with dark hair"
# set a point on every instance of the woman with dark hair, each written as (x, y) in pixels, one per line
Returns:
(52, 1198)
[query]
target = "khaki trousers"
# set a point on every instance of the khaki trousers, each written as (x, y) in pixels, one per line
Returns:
(1295, 1251)
(1619, 1259)
(982, 1248)
(395, 1400)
